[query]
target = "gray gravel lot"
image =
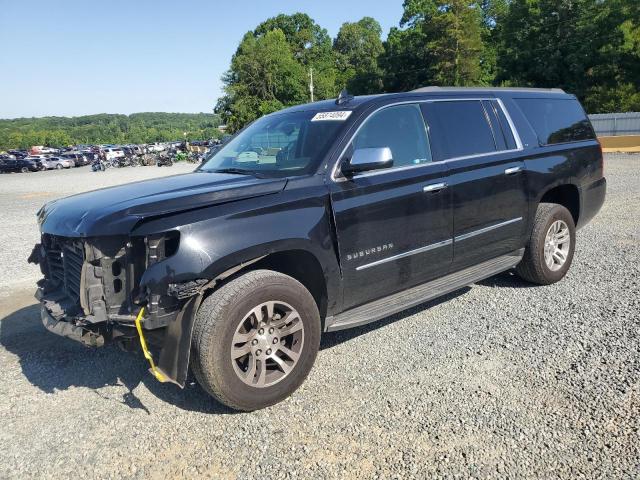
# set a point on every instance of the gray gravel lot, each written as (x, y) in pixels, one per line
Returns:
(22, 195)
(502, 379)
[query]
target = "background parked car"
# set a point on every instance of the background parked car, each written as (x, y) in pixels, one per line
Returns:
(37, 159)
(78, 159)
(20, 165)
(156, 147)
(18, 153)
(57, 162)
(37, 149)
(112, 153)
(89, 155)
(38, 156)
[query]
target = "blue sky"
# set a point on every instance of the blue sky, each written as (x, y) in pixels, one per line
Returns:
(71, 57)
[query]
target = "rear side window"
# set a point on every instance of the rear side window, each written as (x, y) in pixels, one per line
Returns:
(556, 120)
(458, 128)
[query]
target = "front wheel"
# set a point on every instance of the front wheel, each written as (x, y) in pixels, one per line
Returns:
(255, 340)
(24, 170)
(549, 252)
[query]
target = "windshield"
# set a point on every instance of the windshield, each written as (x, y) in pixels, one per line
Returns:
(278, 145)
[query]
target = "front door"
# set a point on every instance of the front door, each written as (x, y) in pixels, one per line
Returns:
(394, 225)
(486, 176)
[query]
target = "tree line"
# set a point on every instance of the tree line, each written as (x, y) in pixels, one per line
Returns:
(588, 47)
(107, 128)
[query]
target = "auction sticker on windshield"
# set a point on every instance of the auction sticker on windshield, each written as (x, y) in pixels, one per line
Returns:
(340, 116)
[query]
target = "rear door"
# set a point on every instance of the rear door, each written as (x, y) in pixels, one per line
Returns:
(475, 139)
(394, 225)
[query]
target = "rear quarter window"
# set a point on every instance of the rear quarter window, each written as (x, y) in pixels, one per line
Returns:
(556, 120)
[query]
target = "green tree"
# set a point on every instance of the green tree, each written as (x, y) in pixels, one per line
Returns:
(103, 128)
(406, 60)
(308, 41)
(358, 48)
(439, 43)
(311, 47)
(264, 77)
(615, 84)
(456, 42)
(493, 14)
(587, 47)
(271, 69)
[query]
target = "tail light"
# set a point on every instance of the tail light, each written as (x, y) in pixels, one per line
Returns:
(601, 157)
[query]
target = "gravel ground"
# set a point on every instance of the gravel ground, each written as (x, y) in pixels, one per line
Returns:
(22, 195)
(499, 380)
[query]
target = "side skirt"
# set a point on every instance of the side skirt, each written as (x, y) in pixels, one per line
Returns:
(378, 309)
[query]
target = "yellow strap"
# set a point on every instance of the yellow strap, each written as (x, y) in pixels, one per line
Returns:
(147, 354)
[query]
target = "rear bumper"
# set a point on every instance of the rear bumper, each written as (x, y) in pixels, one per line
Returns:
(591, 200)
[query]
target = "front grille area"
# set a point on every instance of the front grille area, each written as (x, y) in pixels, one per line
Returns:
(65, 258)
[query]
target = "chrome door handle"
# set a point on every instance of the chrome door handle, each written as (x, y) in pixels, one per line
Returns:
(435, 187)
(512, 170)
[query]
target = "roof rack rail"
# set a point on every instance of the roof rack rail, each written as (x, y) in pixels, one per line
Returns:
(433, 88)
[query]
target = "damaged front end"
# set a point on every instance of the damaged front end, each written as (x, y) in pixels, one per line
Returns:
(108, 253)
(91, 292)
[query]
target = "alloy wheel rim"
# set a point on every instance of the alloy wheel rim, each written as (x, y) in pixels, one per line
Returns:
(556, 245)
(267, 344)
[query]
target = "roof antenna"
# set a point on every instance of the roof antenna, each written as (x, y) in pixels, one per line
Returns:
(344, 97)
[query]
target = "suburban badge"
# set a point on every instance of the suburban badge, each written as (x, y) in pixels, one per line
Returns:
(369, 251)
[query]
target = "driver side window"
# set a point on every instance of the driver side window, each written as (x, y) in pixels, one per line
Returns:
(400, 128)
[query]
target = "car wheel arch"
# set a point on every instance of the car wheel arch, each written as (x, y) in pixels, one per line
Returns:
(298, 263)
(566, 194)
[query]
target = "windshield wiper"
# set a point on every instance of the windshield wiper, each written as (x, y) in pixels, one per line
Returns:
(238, 171)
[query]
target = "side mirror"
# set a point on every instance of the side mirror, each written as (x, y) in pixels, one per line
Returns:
(365, 159)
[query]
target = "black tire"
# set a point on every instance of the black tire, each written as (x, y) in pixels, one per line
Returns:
(59, 166)
(215, 325)
(533, 267)
(24, 169)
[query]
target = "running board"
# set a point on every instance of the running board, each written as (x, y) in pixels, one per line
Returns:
(378, 309)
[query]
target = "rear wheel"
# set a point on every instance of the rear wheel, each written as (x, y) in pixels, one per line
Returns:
(549, 252)
(255, 340)
(59, 166)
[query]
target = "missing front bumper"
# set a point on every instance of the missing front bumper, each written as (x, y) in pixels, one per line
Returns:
(173, 343)
(68, 330)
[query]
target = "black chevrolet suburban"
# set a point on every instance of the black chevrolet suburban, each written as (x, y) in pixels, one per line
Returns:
(318, 218)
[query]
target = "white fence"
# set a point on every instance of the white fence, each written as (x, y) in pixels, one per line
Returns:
(616, 124)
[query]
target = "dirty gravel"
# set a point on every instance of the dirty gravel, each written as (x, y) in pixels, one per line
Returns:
(499, 380)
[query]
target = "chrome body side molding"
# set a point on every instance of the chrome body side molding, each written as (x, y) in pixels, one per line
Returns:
(459, 238)
(406, 254)
(433, 246)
